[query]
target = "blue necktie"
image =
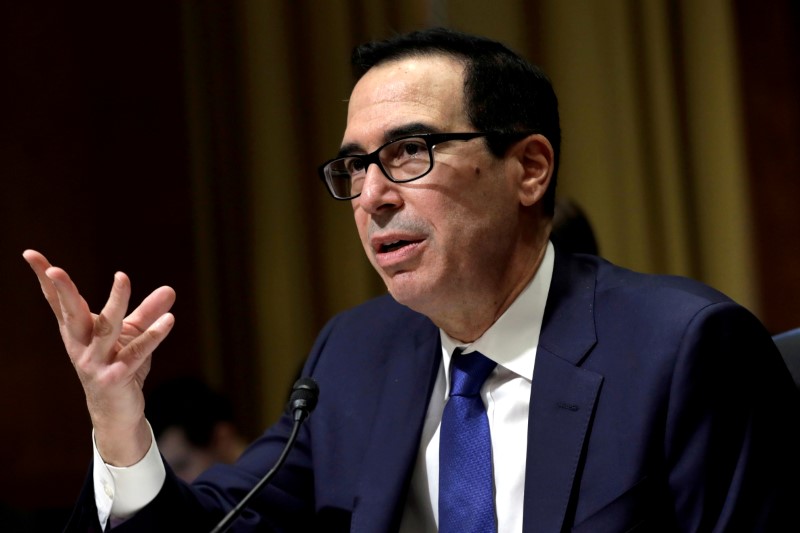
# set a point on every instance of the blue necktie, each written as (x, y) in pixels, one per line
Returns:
(466, 486)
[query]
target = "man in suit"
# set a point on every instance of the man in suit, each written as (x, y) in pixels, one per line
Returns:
(609, 400)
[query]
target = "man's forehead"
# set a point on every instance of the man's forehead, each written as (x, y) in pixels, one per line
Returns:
(415, 90)
(415, 76)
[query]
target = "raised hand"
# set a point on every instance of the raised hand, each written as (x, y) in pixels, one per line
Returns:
(111, 353)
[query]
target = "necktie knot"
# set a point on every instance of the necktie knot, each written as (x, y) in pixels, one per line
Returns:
(468, 372)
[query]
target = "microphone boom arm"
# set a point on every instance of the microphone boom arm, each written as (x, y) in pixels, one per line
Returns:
(303, 400)
(226, 522)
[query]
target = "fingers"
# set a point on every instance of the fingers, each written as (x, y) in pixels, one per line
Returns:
(141, 346)
(40, 264)
(109, 322)
(69, 307)
(109, 334)
(145, 328)
(76, 319)
(152, 308)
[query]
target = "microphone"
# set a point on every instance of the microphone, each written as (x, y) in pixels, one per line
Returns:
(303, 400)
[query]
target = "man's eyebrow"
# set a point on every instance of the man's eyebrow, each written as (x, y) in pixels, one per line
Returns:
(349, 149)
(409, 129)
(412, 128)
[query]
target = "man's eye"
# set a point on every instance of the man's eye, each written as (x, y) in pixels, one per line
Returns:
(355, 165)
(411, 148)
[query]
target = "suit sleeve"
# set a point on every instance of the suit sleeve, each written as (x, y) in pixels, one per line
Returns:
(731, 439)
(286, 504)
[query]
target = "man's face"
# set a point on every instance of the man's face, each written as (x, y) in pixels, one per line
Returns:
(449, 237)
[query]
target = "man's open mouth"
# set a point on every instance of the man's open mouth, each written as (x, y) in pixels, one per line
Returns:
(392, 246)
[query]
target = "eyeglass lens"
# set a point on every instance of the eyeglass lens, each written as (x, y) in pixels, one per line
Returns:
(401, 160)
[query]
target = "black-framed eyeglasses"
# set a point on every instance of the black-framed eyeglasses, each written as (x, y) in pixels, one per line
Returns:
(402, 160)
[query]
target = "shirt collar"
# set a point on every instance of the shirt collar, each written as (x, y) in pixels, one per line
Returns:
(512, 340)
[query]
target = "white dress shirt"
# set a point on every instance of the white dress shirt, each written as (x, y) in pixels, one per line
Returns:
(511, 342)
(120, 492)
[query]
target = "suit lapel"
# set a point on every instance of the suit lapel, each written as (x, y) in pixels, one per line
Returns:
(412, 366)
(563, 396)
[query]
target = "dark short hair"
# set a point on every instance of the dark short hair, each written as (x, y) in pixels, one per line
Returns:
(503, 92)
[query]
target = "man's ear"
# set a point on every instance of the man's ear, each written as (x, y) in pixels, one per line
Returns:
(536, 158)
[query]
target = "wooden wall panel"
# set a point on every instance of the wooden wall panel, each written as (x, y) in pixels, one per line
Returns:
(769, 45)
(94, 173)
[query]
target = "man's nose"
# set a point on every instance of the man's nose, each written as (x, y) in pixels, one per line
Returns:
(378, 193)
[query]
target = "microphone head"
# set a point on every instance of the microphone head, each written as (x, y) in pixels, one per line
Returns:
(303, 400)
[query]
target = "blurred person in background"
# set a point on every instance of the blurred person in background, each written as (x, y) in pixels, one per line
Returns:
(194, 426)
(572, 232)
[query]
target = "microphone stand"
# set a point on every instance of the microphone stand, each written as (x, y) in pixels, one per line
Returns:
(303, 401)
(225, 523)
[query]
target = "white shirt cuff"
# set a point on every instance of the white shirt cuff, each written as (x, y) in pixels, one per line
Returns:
(120, 492)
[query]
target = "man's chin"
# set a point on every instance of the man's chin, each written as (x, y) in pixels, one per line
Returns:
(411, 293)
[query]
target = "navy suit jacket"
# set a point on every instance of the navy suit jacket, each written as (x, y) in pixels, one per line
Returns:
(657, 404)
